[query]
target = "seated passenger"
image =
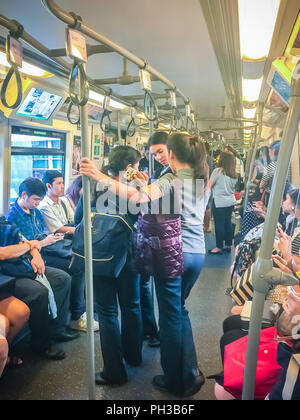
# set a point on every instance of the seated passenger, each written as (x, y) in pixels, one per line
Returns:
(29, 220)
(55, 208)
(13, 316)
(35, 294)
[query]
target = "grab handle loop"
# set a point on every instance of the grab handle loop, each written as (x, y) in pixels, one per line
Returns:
(14, 57)
(131, 128)
(149, 103)
(106, 114)
(175, 118)
(84, 89)
(69, 114)
(12, 71)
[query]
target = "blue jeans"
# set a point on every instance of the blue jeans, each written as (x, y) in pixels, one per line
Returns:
(147, 308)
(117, 344)
(178, 354)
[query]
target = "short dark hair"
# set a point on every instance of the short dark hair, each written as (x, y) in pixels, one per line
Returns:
(32, 186)
(120, 157)
(159, 137)
(49, 176)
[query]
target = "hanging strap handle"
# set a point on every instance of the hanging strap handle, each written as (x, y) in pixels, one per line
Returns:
(149, 103)
(131, 128)
(69, 114)
(106, 114)
(13, 71)
(84, 89)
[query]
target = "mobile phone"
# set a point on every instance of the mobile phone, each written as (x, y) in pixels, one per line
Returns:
(130, 174)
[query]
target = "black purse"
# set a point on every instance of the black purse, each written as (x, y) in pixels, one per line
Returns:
(62, 249)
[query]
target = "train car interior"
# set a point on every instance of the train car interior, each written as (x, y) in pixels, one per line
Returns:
(79, 79)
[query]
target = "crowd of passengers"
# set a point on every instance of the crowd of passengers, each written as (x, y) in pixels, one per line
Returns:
(39, 288)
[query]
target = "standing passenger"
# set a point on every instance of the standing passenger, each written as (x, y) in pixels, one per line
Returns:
(222, 182)
(187, 159)
(126, 344)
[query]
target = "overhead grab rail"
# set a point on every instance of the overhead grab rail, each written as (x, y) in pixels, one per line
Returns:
(14, 57)
(59, 63)
(66, 17)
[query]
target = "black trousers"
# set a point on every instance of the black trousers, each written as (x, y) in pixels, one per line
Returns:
(223, 225)
(35, 295)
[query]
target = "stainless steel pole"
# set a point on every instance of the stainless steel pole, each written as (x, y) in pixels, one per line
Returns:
(264, 261)
(251, 168)
(85, 141)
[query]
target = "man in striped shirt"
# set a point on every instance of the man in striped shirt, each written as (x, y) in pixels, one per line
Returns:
(267, 179)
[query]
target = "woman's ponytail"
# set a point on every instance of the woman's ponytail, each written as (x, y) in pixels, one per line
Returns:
(190, 150)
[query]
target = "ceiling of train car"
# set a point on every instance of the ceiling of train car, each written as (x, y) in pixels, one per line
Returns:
(171, 35)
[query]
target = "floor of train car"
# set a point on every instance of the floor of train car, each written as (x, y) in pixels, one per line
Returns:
(38, 379)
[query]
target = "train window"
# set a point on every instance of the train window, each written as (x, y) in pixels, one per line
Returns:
(34, 151)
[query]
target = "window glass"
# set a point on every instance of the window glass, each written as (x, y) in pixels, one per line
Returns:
(32, 153)
(24, 166)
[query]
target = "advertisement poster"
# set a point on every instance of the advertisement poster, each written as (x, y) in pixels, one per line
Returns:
(76, 157)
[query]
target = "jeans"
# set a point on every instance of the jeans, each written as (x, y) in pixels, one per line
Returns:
(77, 300)
(223, 225)
(178, 354)
(116, 344)
(147, 308)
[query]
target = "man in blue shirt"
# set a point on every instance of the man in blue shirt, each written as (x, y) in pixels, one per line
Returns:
(25, 214)
(30, 221)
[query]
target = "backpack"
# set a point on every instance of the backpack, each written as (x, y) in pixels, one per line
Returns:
(111, 242)
(16, 267)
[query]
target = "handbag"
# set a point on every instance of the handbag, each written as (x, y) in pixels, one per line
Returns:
(159, 247)
(268, 370)
(243, 289)
(62, 249)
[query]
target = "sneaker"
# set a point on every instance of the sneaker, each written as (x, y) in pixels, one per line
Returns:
(81, 324)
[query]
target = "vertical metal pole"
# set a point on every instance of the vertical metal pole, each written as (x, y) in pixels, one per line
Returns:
(249, 175)
(151, 171)
(264, 261)
(120, 141)
(151, 131)
(85, 141)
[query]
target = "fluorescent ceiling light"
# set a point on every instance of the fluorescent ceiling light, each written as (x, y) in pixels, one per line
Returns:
(251, 89)
(257, 22)
(97, 97)
(142, 116)
(27, 68)
(117, 105)
(249, 113)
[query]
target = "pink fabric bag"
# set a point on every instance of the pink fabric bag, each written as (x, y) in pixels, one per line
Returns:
(268, 369)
